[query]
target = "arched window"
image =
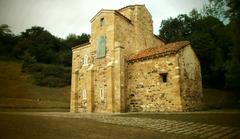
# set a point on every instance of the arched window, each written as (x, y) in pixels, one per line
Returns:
(85, 60)
(101, 46)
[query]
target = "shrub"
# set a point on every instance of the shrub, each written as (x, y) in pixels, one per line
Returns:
(48, 75)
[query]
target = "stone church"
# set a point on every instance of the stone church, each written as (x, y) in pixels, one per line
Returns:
(126, 68)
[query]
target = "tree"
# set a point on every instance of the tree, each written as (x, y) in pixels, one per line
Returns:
(215, 8)
(47, 58)
(174, 29)
(73, 39)
(4, 30)
(7, 40)
(209, 40)
(233, 64)
(41, 44)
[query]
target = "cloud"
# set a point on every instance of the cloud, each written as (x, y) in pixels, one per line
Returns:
(62, 17)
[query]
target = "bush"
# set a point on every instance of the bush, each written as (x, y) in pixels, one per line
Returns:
(48, 75)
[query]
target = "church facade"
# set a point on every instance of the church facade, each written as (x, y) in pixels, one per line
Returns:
(126, 68)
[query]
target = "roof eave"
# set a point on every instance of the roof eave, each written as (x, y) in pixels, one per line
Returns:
(81, 45)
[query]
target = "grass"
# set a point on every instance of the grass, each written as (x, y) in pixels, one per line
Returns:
(17, 90)
(221, 99)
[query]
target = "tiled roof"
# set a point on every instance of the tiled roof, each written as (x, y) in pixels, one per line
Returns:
(159, 51)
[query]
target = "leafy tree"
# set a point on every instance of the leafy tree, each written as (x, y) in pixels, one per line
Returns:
(4, 30)
(233, 64)
(7, 40)
(175, 29)
(215, 8)
(45, 56)
(209, 40)
(73, 39)
(41, 44)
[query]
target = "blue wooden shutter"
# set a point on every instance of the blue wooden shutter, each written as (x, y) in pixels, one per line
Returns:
(101, 46)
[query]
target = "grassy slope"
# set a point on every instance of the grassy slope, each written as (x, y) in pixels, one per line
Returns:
(221, 99)
(17, 90)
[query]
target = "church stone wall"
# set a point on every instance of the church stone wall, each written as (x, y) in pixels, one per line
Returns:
(124, 35)
(128, 12)
(78, 77)
(100, 67)
(191, 81)
(107, 29)
(157, 42)
(146, 90)
(137, 86)
(143, 28)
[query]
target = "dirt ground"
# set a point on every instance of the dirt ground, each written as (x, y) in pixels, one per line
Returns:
(41, 127)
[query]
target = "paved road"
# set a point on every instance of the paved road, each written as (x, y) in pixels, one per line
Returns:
(182, 128)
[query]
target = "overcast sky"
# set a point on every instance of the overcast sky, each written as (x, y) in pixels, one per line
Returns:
(62, 17)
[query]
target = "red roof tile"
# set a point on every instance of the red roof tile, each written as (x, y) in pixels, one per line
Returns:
(169, 48)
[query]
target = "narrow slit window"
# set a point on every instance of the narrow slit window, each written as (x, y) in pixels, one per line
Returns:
(163, 77)
(101, 93)
(85, 60)
(84, 94)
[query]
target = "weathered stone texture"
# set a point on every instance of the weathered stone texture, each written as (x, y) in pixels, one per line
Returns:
(113, 83)
(145, 89)
(191, 81)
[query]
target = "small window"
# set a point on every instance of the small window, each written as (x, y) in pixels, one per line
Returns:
(85, 60)
(163, 77)
(102, 22)
(84, 94)
(101, 93)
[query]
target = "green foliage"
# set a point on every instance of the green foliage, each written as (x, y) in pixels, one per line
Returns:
(45, 56)
(175, 29)
(233, 64)
(73, 39)
(4, 30)
(7, 40)
(233, 74)
(28, 59)
(234, 11)
(215, 8)
(49, 75)
(216, 44)
(41, 44)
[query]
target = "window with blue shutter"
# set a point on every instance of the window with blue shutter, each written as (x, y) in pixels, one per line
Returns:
(101, 46)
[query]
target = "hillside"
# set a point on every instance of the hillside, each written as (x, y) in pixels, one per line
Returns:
(17, 90)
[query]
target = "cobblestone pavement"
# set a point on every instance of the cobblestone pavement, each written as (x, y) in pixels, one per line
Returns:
(193, 129)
